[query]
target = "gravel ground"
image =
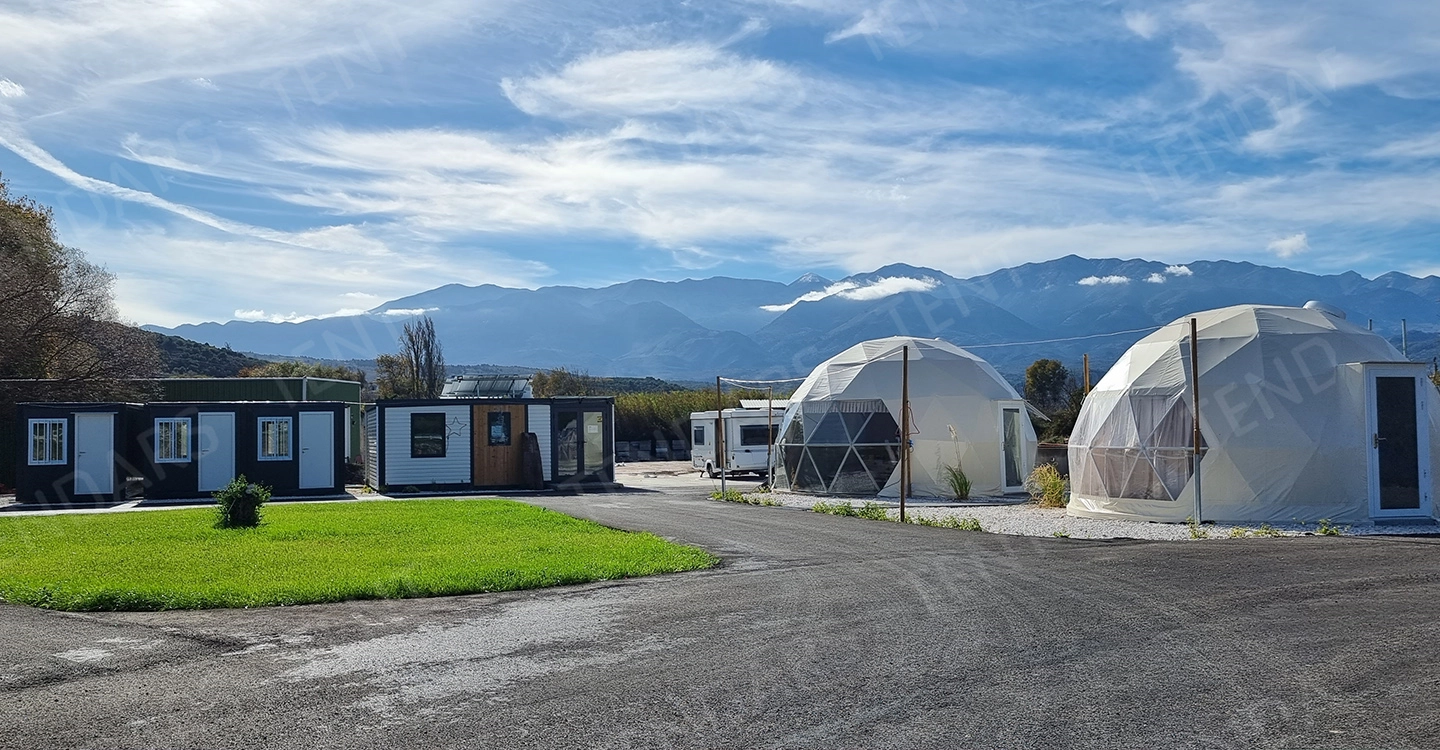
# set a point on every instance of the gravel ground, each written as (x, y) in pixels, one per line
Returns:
(1019, 517)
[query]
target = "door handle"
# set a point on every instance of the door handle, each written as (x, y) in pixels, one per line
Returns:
(1376, 439)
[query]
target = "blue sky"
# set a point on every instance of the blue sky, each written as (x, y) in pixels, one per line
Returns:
(267, 159)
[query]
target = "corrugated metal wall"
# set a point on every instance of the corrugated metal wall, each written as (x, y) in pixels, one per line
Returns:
(372, 447)
(453, 468)
(538, 418)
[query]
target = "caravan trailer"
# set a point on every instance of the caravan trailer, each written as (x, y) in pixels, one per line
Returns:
(750, 431)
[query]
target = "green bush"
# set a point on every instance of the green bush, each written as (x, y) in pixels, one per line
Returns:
(872, 511)
(239, 504)
(834, 509)
(1047, 487)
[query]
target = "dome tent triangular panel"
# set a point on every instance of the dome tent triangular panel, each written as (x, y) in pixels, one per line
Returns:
(957, 404)
(1287, 418)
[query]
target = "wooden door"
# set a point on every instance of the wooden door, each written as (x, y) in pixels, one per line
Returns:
(497, 430)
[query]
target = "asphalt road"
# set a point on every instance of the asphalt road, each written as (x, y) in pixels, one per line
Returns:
(817, 631)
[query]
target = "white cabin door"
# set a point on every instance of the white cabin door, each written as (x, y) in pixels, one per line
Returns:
(215, 438)
(317, 449)
(1013, 458)
(1399, 444)
(94, 454)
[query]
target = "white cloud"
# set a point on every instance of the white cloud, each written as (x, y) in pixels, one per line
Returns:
(877, 289)
(1289, 247)
(1106, 280)
(407, 312)
(10, 89)
(1179, 271)
(1145, 25)
(1155, 278)
(1419, 147)
(292, 317)
(650, 81)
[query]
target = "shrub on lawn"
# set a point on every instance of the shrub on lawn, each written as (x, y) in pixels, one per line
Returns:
(1047, 487)
(239, 504)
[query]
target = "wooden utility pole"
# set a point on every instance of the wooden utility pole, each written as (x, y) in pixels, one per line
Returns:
(770, 434)
(720, 434)
(1195, 407)
(1087, 374)
(904, 427)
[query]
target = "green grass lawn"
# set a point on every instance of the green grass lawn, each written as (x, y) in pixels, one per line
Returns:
(325, 552)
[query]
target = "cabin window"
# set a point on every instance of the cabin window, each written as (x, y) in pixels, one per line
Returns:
(172, 440)
(499, 431)
(47, 441)
(758, 434)
(427, 435)
(275, 444)
(699, 436)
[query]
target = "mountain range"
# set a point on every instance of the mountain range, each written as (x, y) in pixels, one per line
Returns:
(698, 328)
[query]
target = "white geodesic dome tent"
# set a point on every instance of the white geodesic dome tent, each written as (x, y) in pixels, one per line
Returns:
(1304, 416)
(841, 432)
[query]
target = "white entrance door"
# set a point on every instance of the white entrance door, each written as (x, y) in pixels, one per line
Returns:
(215, 439)
(94, 454)
(317, 449)
(1399, 443)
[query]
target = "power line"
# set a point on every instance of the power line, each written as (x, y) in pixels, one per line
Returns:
(1071, 338)
(737, 381)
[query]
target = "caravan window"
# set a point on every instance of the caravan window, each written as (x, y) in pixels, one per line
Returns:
(47, 441)
(758, 434)
(699, 436)
(427, 435)
(172, 440)
(274, 439)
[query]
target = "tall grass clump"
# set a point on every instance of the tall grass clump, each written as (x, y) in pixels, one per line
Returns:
(954, 475)
(1047, 487)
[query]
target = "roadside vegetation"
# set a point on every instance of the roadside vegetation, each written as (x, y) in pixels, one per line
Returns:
(1047, 488)
(309, 553)
(873, 511)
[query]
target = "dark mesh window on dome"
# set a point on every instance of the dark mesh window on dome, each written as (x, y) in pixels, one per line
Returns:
(805, 477)
(830, 431)
(880, 429)
(791, 456)
(880, 460)
(827, 459)
(855, 422)
(853, 478)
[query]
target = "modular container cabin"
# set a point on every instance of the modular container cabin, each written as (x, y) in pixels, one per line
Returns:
(288, 390)
(75, 453)
(191, 450)
(461, 444)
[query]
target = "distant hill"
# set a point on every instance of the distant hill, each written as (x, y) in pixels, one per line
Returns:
(180, 357)
(696, 329)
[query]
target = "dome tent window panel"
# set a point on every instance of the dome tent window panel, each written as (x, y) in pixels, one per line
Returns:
(830, 430)
(806, 477)
(855, 423)
(881, 429)
(880, 460)
(790, 458)
(854, 478)
(828, 460)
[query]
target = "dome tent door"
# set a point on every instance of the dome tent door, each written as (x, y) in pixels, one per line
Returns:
(1398, 424)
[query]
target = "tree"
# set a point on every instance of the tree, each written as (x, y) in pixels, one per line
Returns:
(1045, 384)
(418, 370)
(60, 337)
(1435, 378)
(295, 369)
(59, 326)
(562, 382)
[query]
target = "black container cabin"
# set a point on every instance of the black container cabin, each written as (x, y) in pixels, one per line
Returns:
(75, 453)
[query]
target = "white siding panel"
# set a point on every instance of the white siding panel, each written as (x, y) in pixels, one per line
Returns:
(401, 469)
(538, 418)
(372, 446)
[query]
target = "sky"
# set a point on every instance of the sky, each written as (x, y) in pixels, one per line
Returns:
(266, 159)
